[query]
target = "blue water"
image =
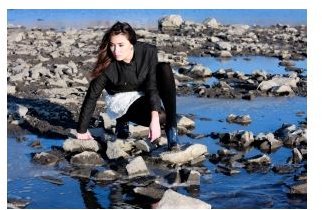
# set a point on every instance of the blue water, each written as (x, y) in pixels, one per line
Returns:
(245, 190)
(62, 18)
(246, 64)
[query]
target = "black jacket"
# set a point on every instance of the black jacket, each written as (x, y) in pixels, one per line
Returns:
(138, 75)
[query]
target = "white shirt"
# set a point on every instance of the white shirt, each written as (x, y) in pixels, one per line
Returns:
(118, 104)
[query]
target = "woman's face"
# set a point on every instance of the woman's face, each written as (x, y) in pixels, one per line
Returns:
(121, 48)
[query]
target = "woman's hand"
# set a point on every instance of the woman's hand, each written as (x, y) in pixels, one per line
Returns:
(84, 136)
(154, 129)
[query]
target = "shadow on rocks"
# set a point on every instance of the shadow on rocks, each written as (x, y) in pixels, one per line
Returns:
(44, 117)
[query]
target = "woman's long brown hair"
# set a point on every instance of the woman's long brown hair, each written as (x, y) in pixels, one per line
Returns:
(105, 56)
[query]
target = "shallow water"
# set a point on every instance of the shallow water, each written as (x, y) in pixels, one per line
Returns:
(246, 64)
(244, 190)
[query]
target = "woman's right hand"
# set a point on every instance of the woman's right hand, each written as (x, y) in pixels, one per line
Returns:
(84, 136)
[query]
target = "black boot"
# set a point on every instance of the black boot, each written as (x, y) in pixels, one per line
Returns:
(122, 130)
(172, 136)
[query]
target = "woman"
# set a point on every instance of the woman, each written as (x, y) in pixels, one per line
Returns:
(134, 80)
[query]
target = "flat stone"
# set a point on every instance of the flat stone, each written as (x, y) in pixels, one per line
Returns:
(77, 145)
(174, 200)
(185, 156)
(137, 167)
(107, 175)
(87, 158)
(299, 189)
(45, 158)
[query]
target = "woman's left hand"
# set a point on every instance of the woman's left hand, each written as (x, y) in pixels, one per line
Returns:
(154, 129)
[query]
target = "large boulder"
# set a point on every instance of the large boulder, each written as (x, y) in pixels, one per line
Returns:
(211, 23)
(170, 22)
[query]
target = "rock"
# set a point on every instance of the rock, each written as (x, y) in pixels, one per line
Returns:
(225, 54)
(138, 131)
(45, 158)
(198, 71)
(283, 169)
(170, 22)
(107, 175)
(240, 139)
(137, 167)
(286, 63)
(278, 81)
(53, 180)
(17, 203)
(185, 156)
(211, 23)
(259, 160)
(193, 178)
(282, 90)
(174, 200)
(227, 170)
(223, 46)
(145, 145)
(154, 191)
(116, 149)
(240, 119)
(87, 158)
(298, 189)
(77, 145)
(268, 143)
(186, 122)
(81, 173)
(11, 89)
(297, 157)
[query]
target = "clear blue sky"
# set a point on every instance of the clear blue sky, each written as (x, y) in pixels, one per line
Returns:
(149, 17)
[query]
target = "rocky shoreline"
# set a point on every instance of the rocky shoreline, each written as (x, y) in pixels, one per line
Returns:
(46, 85)
(46, 68)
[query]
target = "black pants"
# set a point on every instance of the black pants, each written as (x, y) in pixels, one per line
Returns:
(140, 112)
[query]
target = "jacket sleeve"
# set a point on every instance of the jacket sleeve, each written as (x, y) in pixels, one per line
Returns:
(93, 93)
(151, 85)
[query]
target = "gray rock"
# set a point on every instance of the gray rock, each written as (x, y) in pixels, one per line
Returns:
(81, 173)
(145, 145)
(154, 191)
(260, 160)
(77, 145)
(174, 200)
(282, 90)
(283, 169)
(53, 180)
(185, 156)
(170, 22)
(137, 167)
(116, 149)
(268, 142)
(240, 119)
(138, 131)
(17, 203)
(278, 81)
(45, 158)
(198, 71)
(297, 157)
(107, 175)
(298, 189)
(186, 122)
(211, 23)
(87, 158)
